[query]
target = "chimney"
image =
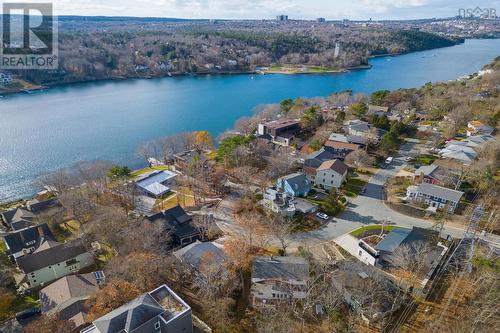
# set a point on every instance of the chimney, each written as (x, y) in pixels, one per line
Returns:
(41, 232)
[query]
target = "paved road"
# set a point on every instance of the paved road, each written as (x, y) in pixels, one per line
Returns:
(370, 208)
(363, 210)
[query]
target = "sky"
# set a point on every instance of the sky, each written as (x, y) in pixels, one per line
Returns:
(266, 9)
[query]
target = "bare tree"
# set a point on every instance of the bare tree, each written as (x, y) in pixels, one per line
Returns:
(280, 228)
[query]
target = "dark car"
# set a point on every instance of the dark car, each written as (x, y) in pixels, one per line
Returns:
(28, 313)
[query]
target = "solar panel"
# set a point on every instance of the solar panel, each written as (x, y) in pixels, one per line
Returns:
(99, 276)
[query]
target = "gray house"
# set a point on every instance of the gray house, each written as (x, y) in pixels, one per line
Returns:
(26, 241)
(160, 310)
(367, 291)
(434, 196)
(66, 297)
(52, 261)
(276, 279)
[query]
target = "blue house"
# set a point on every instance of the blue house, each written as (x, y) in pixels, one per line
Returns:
(296, 185)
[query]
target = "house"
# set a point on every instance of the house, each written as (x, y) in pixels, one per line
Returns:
(460, 153)
(331, 174)
(478, 128)
(155, 184)
(26, 241)
(431, 174)
(66, 297)
(281, 131)
(185, 161)
(294, 185)
(366, 291)
(194, 254)
(314, 160)
(436, 197)
(25, 216)
(52, 261)
(5, 79)
(377, 111)
(160, 310)
(277, 279)
(279, 202)
(178, 225)
(361, 128)
(358, 140)
(341, 149)
(474, 141)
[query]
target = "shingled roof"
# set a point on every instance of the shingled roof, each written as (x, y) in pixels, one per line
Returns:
(286, 268)
(51, 256)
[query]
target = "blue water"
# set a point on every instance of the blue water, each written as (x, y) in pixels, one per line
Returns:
(49, 130)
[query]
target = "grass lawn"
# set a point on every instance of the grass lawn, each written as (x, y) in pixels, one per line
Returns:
(424, 159)
(302, 223)
(64, 231)
(165, 203)
(139, 172)
(19, 304)
(294, 69)
(105, 254)
(353, 187)
(371, 229)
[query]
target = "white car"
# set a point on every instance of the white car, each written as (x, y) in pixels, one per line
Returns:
(408, 158)
(389, 160)
(323, 216)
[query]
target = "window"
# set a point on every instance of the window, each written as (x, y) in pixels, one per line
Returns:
(71, 262)
(157, 325)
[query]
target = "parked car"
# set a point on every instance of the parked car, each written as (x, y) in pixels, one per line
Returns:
(323, 216)
(28, 313)
(389, 160)
(408, 158)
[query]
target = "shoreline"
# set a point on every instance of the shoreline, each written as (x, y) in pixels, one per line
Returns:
(47, 86)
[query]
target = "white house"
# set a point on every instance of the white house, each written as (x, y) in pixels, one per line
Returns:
(156, 183)
(279, 202)
(331, 174)
(478, 128)
(277, 279)
(434, 196)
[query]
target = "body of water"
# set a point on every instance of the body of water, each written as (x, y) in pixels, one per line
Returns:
(49, 130)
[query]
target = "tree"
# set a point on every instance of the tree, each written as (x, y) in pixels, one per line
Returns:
(332, 204)
(49, 324)
(117, 171)
(359, 158)
(358, 109)
(280, 228)
(377, 97)
(389, 142)
(286, 105)
(311, 119)
(203, 140)
(114, 294)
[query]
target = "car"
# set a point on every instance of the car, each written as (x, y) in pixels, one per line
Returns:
(389, 160)
(363, 191)
(28, 313)
(408, 158)
(323, 216)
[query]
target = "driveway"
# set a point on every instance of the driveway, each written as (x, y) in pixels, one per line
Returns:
(370, 208)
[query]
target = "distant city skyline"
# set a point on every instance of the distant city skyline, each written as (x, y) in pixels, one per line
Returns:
(268, 9)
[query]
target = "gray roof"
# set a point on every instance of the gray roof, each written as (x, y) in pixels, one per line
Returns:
(392, 241)
(154, 181)
(401, 236)
(58, 294)
(51, 256)
(427, 170)
(194, 253)
(289, 268)
(129, 316)
(298, 181)
(27, 238)
(440, 192)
